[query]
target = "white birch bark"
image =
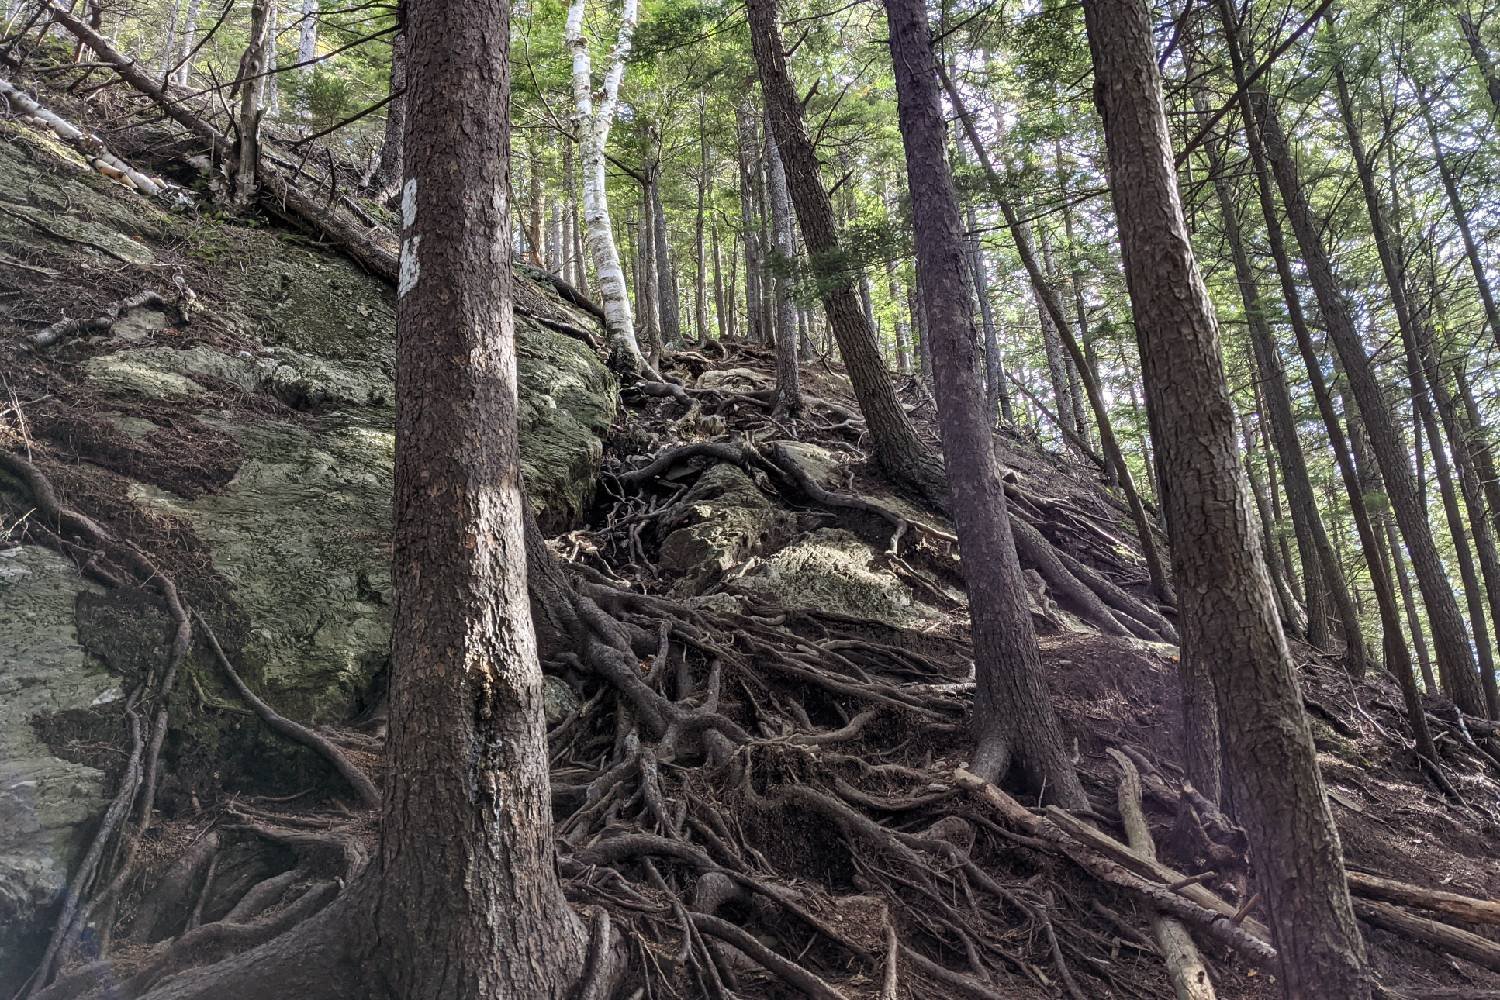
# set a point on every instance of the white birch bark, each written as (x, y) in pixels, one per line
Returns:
(594, 124)
(307, 36)
(189, 31)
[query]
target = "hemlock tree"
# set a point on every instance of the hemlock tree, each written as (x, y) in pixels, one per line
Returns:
(469, 903)
(1228, 613)
(462, 898)
(1013, 716)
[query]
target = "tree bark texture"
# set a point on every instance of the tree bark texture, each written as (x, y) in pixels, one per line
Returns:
(1013, 716)
(468, 900)
(1228, 614)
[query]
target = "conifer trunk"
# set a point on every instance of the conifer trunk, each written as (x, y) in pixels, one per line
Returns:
(468, 902)
(1013, 717)
(1228, 614)
(897, 448)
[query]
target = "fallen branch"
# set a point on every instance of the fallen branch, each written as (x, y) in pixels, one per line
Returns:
(1185, 966)
(89, 145)
(1463, 944)
(1246, 939)
(1449, 904)
(66, 328)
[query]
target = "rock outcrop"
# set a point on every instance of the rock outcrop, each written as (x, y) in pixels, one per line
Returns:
(250, 427)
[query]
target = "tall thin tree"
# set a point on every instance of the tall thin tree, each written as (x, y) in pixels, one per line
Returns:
(1014, 720)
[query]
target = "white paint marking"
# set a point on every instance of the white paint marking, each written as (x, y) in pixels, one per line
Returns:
(411, 267)
(409, 203)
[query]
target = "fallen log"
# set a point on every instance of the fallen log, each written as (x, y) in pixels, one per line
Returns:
(1243, 939)
(1448, 904)
(1446, 938)
(1190, 979)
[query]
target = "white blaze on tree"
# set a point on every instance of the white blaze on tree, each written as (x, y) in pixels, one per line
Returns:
(593, 133)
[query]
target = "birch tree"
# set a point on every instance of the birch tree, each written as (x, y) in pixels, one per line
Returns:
(593, 125)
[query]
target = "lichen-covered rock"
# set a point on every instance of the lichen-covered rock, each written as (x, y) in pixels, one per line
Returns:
(283, 381)
(46, 801)
(721, 521)
(833, 570)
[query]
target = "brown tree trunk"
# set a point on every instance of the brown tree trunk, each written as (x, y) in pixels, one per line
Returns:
(1455, 660)
(468, 901)
(387, 176)
(1481, 56)
(897, 448)
(1013, 716)
(1228, 615)
(1320, 568)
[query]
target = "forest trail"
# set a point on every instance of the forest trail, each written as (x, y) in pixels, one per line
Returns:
(796, 822)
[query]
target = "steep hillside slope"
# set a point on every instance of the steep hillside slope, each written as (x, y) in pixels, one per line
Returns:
(769, 803)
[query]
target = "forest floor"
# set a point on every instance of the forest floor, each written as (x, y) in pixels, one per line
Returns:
(795, 819)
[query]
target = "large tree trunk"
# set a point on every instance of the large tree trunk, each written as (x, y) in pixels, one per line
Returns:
(897, 448)
(1228, 615)
(468, 899)
(593, 127)
(1455, 660)
(1013, 716)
